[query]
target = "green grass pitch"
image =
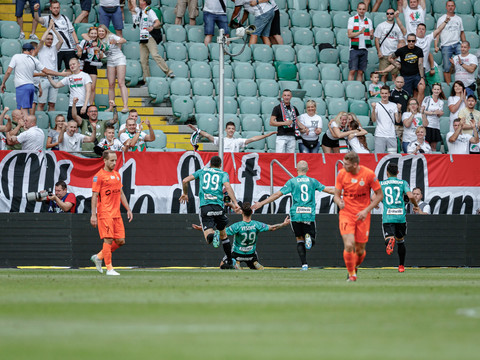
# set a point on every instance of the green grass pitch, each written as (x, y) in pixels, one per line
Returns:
(214, 314)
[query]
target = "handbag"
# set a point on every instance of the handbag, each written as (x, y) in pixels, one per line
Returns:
(311, 144)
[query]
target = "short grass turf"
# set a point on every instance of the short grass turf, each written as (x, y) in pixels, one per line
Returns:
(214, 314)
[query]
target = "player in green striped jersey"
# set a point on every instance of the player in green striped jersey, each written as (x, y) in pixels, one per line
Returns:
(393, 219)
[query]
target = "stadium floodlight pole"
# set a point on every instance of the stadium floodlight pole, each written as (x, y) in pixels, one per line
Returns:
(222, 40)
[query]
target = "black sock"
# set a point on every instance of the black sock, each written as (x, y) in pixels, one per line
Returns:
(302, 252)
(402, 251)
(210, 238)
(227, 247)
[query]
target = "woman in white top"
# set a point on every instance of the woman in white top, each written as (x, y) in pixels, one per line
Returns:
(456, 101)
(357, 140)
(90, 56)
(335, 132)
(419, 146)
(432, 110)
(412, 118)
(116, 64)
(52, 138)
(313, 127)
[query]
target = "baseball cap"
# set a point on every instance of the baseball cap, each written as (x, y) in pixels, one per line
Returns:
(27, 46)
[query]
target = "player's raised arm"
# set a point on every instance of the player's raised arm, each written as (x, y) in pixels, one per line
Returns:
(268, 200)
(281, 225)
(184, 198)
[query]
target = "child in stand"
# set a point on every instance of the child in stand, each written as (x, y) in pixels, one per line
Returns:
(375, 85)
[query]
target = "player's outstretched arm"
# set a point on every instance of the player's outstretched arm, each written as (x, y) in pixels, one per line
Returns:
(337, 199)
(268, 200)
(184, 198)
(279, 226)
(259, 137)
(377, 197)
(230, 193)
(124, 201)
(329, 190)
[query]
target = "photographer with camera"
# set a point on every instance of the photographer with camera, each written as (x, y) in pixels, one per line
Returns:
(59, 202)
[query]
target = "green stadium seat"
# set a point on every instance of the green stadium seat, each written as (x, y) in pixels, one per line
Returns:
(127, 15)
(286, 70)
(321, 19)
(264, 70)
(284, 53)
(341, 37)
(67, 11)
(158, 89)
(202, 87)
(464, 7)
(227, 70)
(250, 105)
(130, 33)
(262, 53)
(271, 142)
(160, 142)
(364, 120)
(182, 107)
(246, 87)
(179, 68)
(43, 121)
(384, 6)
(245, 56)
(9, 100)
(444, 125)
(175, 33)
(267, 105)
(439, 7)
(53, 114)
(359, 107)
(197, 51)
(473, 39)
(344, 54)
(308, 72)
(208, 123)
(340, 19)
(198, 19)
(200, 69)
(9, 30)
(284, 18)
(131, 50)
(378, 18)
(306, 54)
(328, 56)
(335, 105)
(333, 89)
(321, 5)
(243, 70)
(176, 51)
(297, 4)
(255, 146)
(313, 88)
(476, 7)
(431, 22)
(324, 36)
(302, 36)
(10, 47)
(370, 142)
(268, 88)
(155, 70)
(195, 33)
(62, 102)
(469, 22)
(354, 90)
(214, 50)
(329, 72)
(251, 122)
(373, 56)
(168, 13)
(101, 101)
(230, 105)
(298, 103)
(180, 87)
(229, 87)
(286, 36)
(299, 18)
(339, 5)
(205, 105)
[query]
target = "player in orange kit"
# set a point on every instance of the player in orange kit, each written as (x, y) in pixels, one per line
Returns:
(107, 194)
(354, 221)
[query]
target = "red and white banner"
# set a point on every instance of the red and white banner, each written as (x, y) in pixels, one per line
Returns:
(152, 180)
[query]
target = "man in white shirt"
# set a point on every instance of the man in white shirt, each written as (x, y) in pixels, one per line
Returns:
(231, 144)
(31, 139)
(460, 143)
(134, 138)
(360, 33)
(65, 29)
(464, 66)
(414, 12)
(46, 53)
(385, 114)
(388, 38)
(70, 140)
(450, 38)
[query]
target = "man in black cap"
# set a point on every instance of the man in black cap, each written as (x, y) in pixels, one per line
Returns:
(25, 65)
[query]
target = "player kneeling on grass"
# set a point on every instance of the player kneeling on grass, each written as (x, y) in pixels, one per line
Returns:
(393, 218)
(245, 235)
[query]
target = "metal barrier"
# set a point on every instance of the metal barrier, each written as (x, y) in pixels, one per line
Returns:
(275, 161)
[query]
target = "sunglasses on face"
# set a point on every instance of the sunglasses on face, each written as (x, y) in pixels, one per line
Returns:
(411, 41)
(390, 13)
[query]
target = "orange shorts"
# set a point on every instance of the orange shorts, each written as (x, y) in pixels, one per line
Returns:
(111, 228)
(350, 225)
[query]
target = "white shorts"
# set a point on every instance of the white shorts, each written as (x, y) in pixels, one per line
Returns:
(49, 93)
(116, 61)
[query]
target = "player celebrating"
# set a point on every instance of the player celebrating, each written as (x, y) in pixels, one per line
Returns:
(354, 221)
(212, 214)
(393, 218)
(245, 234)
(107, 194)
(302, 211)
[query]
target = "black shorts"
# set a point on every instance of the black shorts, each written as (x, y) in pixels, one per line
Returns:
(433, 135)
(212, 216)
(247, 259)
(326, 141)
(275, 26)
(300, 229)
(89, 69)
(398, 230)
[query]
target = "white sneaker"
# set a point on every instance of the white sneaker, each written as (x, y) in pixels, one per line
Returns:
(304, 267)
(112, 272)
(33, 37)
(308, 241)
(97, 262)
(22, 36)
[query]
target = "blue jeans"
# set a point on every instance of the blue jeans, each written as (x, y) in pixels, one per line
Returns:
(411, 83)
(263, 23)
(447, 53)
(209, 21)
(105, 17)
(306, 150)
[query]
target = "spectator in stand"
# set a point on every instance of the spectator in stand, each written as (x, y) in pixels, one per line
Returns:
(414, 12)
(25, 65)
(360, 33)
(180, 9)
(284, 117)
(464, 66)
(423, 207)
(337, 130)
(357, 141)
(375, 85)
(419, 146)
(146, 18)
(17, 118)
(134, 138)
(309, 138)
(110, 142)
(65, 29)
(110, 11)
(89, 53)
(19, 7)
(31, 139)
(386, 114)
(388, 38)
(47, 55)
(70, 140)
(214, 12)
(469, 113)
(398, 95)
(412, 70)
(275, 31)
(86, 7)
(61, 201)
(264, 13)
(450, 38)
(432, 110)
(4, 128)
(460, 143)
(456, 101)
(412, 119)
(53, 134)
(36, 83)
(80, 85)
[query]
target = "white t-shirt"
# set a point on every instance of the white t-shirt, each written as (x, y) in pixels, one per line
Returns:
(71, 143)
(213, 7)
(112, 51)
(356, 146)
(451, 33)
(64, 26)
(116, 146)
(461, 74)
(424, 44)
(139, 146)
(146, 20)
(329, 133)
(375, 88)
(424, 148)
(231, 144)
(431, 105)
(409, 132)
(24, 66)
(385, 119)
(453, 115)
(109, 3)
(390, 44)
(32, 139)
(48, 57)
(256, 10)
(461, 145)
(361, 25)
(76, 83)
(311, 123)
(413, 18)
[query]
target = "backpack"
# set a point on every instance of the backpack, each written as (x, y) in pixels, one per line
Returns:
(157, 33)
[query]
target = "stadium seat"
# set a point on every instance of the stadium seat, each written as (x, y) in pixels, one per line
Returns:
(134, 73)
(179, 68)
(175, 33)
(333, 89)
(53, 114)
(302, 36)
(463, 7)
(473, 39)
(286, 36)
(205, 105)
(168, 13)
(9, 100)
(469, 22)
(264, 70)
(62, 102)
(341, 37)
(354, 90)
(324, 36)
(251, 122)
(308, 72)
(329, 72)
(208, 123)
(329, 56)
(299, 104)
(246, 87)
(340, 20)
(335, 105)
(200, 69)
(444, 125)
(370, 142)
(299, 18)
(284, 18)
(158, 89)
(306, 54)
(101, 101)
(321, 5)
(182, 107)
(286, 70)
(229, 87)
(245, 56)
(199, 18)
(202, 87)
(372, 56)
(131, 50)
(10, 47)
(430, 22)
(243, 70)
(313, 88)
(476, 7)
(439, 7)
(230, 105)
(127, 15)
(227, 70)
(180, 87)
(160, 142)
(92, 16)
(271, 142)
(155, 70)
(297, 4)
(344, 54)
(9, 30)
(130, 33)
(339, 5)
(267, 105)
(359, 107)
(197, 51)
(214, 50)
(284, 53)
(255, 146)
(321, 19)
(263, 53)
(176, 51)
(43, 121)
(268, 88)
(250, 105)
(195, 34)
